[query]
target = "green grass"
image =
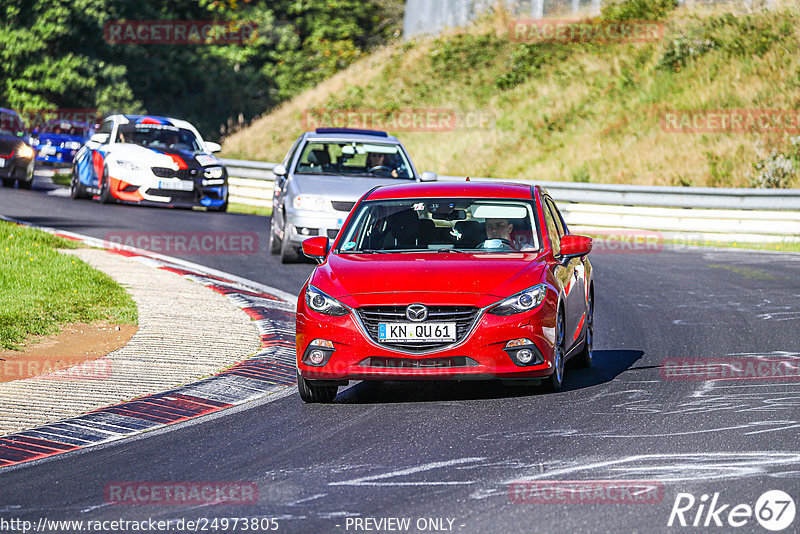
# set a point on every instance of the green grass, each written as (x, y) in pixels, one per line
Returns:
(61, 178)
(571, 111)
(249, 210)
(42, 289)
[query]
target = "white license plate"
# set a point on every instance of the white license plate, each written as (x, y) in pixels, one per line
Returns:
(176, 185)
(409, 332)
(48, 151)
(2, 162)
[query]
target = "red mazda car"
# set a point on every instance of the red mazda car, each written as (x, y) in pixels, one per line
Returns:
(433, 281)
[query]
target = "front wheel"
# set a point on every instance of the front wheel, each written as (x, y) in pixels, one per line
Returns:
(8, 182)
(554, 381)
(289, 253)
(105, 190)
(76, 190)
(274, 240)
(220, 209)
(312, 393)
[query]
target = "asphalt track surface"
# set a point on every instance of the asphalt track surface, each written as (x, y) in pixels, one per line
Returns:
(448, 449)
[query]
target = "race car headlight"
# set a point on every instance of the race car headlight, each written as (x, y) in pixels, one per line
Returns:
(125, 164)
(322, 303)
(521, 302)
(25, 152)
(213, 173)
(312, 202)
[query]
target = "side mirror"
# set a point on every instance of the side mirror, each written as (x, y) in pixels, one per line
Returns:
(100, 138)
(575, 245)
(316, 248)
(428, 176)
(279, 170)
(212, 147)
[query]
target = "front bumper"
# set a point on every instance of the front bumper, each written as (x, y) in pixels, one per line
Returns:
(302, 224)
(15, 167)
(148, 193)
(482, 353)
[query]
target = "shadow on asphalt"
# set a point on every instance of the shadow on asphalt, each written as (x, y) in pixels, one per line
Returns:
(608, 364)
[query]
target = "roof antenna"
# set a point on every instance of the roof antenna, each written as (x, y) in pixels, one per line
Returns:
(467, 179)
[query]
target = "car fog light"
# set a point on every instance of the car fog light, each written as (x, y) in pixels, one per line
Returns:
(316, 357)
(525, 356)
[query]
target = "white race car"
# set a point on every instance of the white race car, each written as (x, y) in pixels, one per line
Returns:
(143, 159)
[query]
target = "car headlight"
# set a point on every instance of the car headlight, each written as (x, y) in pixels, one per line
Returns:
(25, 152)
(322, 303)
(521, 302)
(312, 202)
(213, 173)
(127, 165)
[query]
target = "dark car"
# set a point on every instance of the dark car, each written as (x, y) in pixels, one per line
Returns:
(16, 155)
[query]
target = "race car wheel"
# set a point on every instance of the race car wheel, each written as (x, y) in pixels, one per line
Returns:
(312, 393)
(554, 381)
(584, 357)
(274, 240)
(8, 182)
(24, 184)
(76, 190)
(220, 209)
(105, 189)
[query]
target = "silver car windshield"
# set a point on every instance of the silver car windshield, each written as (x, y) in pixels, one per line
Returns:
(383, 160)
(442, 225)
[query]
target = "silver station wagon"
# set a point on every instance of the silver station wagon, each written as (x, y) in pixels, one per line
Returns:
(323, 176)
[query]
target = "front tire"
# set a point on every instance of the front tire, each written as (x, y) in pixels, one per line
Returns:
(289, 253)
(105, 189)
(274, 240)
(554, 381)
(311, 393)
(76, 190)
(8, 182)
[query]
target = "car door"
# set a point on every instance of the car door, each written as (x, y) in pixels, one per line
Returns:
(573, 275)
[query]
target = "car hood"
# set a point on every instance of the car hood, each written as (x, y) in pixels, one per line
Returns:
(161, 157)
(59, 138)
(342, 188)
(433, 278)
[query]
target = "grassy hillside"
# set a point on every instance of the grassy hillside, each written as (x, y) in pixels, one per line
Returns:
(576, 111)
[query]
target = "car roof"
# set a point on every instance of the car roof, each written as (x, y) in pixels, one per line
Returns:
(452, 190)
(346, 134)
(153, 119)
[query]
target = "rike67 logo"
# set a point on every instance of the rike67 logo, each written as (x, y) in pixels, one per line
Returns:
(774, 510)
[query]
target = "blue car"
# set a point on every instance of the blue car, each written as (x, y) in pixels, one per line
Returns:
(59, 140)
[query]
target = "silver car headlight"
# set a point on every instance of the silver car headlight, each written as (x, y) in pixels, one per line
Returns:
(521, 302)
(312, 203)
(322, 303)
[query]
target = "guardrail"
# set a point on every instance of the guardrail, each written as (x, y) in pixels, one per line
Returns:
(704, 213)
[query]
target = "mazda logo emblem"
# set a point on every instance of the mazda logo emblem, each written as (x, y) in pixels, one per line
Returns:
(417, 312)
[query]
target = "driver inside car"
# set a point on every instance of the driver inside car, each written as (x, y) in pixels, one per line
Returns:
(378, 163)
(499, 229)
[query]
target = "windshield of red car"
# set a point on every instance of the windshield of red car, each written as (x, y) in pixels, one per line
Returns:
(442, 225)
